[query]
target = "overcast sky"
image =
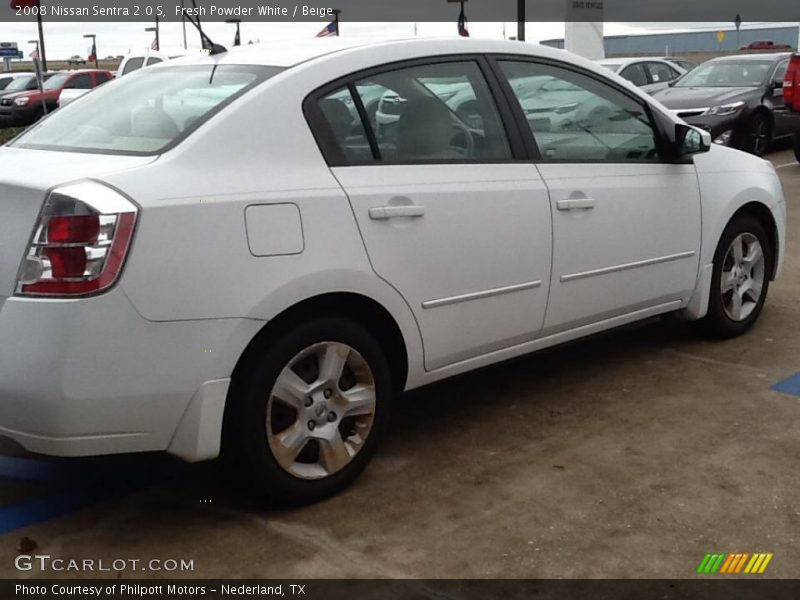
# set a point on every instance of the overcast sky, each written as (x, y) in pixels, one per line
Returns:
(65, 39)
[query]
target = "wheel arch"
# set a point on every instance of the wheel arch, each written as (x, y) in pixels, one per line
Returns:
(763, 214)
(365, 311)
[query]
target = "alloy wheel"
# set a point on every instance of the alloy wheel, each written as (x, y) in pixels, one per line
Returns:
(760, 135)
(321, 410)
(743, 276)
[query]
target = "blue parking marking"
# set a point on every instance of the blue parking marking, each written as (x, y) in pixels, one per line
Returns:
(75, 484)
(789, 386)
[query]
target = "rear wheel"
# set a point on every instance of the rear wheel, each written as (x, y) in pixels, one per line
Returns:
(740, 281)
(308, 415)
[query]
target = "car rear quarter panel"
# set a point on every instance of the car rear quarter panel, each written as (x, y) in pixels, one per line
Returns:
(191, 258)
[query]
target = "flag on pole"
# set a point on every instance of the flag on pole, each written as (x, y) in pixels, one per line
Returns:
(237, 40)
(154, 45)
(329, 30)
(462, 23)
(35, 53)
(92, 53)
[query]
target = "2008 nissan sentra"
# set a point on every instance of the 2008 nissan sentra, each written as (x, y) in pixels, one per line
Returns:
(227, 255)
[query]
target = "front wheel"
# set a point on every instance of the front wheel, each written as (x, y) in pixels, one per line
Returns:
(307, 416)
(740, 281)
(759, 134)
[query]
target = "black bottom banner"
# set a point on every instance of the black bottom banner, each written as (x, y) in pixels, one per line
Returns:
(397, 589)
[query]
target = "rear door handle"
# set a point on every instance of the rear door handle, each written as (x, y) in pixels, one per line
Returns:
(377, 213)
(575, 204)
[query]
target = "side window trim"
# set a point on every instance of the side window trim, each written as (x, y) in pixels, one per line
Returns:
(527, 134)
(362, 114)
(326, 139)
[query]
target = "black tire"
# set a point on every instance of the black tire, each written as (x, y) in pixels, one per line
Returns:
(246, 447)
(759, 134)
(717, 323)
(797, 145)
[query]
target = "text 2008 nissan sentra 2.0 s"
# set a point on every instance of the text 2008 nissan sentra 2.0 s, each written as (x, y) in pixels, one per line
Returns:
(229, 254)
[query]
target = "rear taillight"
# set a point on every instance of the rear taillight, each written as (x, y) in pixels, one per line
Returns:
(79, 243)
(791, 84)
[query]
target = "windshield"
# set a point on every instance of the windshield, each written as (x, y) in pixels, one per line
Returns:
(728, 73)
(145, 112)
(19, 84)
(56, 81)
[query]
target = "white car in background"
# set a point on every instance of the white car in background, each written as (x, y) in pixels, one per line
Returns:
(649, 74)
(139, 60)
(223, 255)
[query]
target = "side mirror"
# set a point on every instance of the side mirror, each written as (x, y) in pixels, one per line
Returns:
(691, 140)
(777, 84)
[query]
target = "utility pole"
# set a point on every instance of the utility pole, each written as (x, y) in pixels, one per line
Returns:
(521, 20)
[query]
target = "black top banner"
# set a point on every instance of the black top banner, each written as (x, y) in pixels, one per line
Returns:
(404, 10)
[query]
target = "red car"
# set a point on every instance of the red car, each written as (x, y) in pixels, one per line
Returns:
(25, 108)
(791, 96)
(765, 45)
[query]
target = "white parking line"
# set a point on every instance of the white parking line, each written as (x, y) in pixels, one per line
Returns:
(791, 164)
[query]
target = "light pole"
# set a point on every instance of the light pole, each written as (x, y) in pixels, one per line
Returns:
(157, 31)
(183, 22)
(336, 13)
(521, 20)
(237, 41)
(93, 37)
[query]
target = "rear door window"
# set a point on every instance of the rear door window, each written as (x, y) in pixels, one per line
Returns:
(635, 73)
(133, 64)
(80, 82)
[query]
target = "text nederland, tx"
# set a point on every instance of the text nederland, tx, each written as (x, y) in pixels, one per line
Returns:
(124, 589)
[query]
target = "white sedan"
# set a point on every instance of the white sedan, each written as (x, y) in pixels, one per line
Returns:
(224, 256)
(649, 74)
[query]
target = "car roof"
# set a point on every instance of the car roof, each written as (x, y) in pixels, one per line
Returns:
(291, 53)
(760, 56)
(628, 59)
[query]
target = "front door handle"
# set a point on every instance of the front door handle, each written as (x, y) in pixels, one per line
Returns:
(378, 213)
(575, 204)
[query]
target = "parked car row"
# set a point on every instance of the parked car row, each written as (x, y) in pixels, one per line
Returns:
(25, 107)
(739, 100)
(22, 104)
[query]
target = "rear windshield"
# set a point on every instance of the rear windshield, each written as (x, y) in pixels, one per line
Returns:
(146, 112)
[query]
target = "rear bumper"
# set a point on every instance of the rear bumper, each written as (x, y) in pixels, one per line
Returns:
(91, 376)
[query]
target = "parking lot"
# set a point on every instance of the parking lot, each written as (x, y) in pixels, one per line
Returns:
(630, 455)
